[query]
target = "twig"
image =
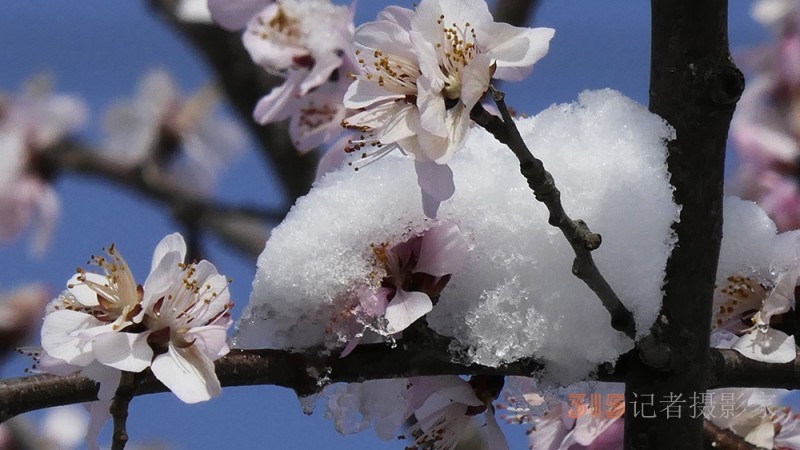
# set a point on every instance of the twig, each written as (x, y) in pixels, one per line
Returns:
(580, 237)
(119, 409)
(243, 227)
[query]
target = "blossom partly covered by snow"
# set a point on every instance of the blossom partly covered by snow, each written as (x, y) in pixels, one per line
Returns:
(30, 122)
(175, 323)
(422, 72)
(309, 42)
(517, 270)
(758, 271)
(185, 133)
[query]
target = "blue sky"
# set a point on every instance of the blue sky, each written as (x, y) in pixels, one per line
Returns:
(100, 48)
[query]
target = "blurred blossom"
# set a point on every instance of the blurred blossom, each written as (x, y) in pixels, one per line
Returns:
(20, 312)
(766, 126)
(62, 428)
(175, 323)
(30, 123)
(187, 134)
(422, 71)
(193, 11)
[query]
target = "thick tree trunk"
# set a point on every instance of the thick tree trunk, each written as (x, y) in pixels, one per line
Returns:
(694, 86)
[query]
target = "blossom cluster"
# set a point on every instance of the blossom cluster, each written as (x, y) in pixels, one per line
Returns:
(175, 324)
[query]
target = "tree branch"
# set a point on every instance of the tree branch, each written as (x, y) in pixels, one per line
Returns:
(694, 87)
(242, 227)
(515, 12)
(119, 408)
(578, 234)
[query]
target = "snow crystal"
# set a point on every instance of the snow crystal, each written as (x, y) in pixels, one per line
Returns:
(516, 296)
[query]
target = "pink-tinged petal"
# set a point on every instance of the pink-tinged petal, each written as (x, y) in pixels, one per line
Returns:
(324, 65)
(351, 345)
(170, 243)
(123, 351)
(55, 366)
(443, 251)
(405, 308)
(234, 14)
(495, 438)
(362, 94)
(552, 429)
(61, 336)
(211, 340)
(188, 373)
(436, 183)
(781, 299)
(771, 346)
(373, 303)
(590, 430)
(281, 102)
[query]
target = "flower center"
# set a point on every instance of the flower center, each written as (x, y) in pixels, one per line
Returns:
(454, 53)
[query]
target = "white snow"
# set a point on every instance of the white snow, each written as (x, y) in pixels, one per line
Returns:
(517, 296)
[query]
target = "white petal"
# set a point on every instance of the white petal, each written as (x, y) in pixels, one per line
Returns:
(475, 80)
(98, 416)
(432, 111)
(48, 209)
(771, 346)
(405, 308)
(398, 15)
(388, 37)
(361, 94)
(514, 47)
(443, 250)
(762, 436)
(123, 351)
(781, 299)
(83, 293)
(324, 65)
(495, 437)
(61, 339)
(187, 373)
(171, 243)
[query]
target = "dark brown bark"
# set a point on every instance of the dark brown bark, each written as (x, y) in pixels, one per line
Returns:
(694, 86)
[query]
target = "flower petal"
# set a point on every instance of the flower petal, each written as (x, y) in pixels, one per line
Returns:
(405, 308)
(495, 438)
(436, 183)
(170, 243)
(768, 346)
(61, 336)
(123, 351)
(188, 373)
(443, 250)
(234, 14)
(281, 102)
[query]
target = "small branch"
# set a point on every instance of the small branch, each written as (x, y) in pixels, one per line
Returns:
(729, 368)
(119, 408)
(541, 182)
(243, 227)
